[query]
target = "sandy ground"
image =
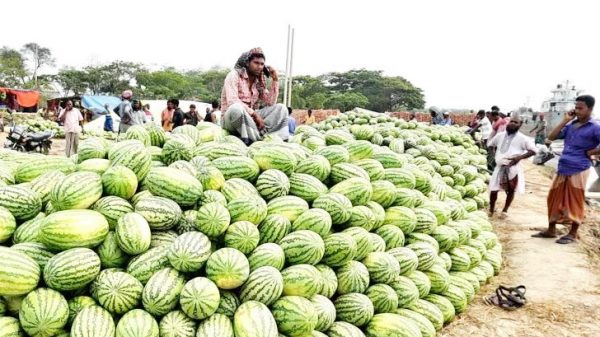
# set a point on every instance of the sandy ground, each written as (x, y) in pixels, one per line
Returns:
(563, 282)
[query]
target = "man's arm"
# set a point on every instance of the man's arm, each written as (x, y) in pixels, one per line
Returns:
(557, 130)
(270, 97)
(231, 88)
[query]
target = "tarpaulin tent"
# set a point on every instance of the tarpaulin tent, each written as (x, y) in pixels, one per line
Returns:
(96, 103)
(17, 98)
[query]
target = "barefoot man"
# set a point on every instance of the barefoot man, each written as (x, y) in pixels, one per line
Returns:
(511, 147)
(566, 198)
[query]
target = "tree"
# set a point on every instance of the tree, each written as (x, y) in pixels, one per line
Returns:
(346, 101)
(113, 78)
(73, 81)
(165, 84)
(12, 68)
(39, 56)
(211, 81)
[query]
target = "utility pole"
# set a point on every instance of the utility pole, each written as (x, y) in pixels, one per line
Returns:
(289, 60)
(289, 103)
(287, 66)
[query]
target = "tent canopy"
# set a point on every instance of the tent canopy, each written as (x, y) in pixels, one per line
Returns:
(25, 98)
(96, 103)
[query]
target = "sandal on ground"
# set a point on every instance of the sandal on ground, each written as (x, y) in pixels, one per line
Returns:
(566, 239)
(543, 234)
(501, 301)
(514, 294)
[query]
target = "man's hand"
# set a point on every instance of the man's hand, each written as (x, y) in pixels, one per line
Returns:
(273, 72)
(569, 116)
(260, 123)
(514, 161)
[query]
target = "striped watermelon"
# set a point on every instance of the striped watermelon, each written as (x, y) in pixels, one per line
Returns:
(416, 237)
(364, 244)
(422, 282)
(236, 187)
(378, 214)
(289, 206)
(112, 208)
(19, 273)
(216, 325)
(187, 222)
(94, 165)
(353, 277)
(357, 190)
(406, 290)
(314, 219)
(354, 308)
(390, 159)
(253, 319)
(391, 235)
(44, 184)
(156, 133)
(384, 192)
(119, 181)
(243, 236)
(444, 305)
(337, 205)
(248, 208)
(340, 248)
(361, 216)
(316, 165)
(212, 219)
(377, 243)
(174, 184)
(344, 329)
(294, 315)
(8, 224)
(199, 298)
(334, 154)
(76, 304)
(78, 190)
(44, 312)
(137, 323)
(161, 292)
(73, 228)
(360, 149)
(267, 254)
(329, 281)
(72, 269)
(177, 324)
(439, 277)
(23, 203)
(275, 157)
(213, 196)
(387, 324)
(382, 267)
(273, 228)
(139, 196)
(111, 256)
(133, 234)
(402, 217)
(37, 251)
(429, 310)
(177, 148)
(372, 167)
(140, 133)
(228, 303)
(161, 213)
(132, 154)
(400, 177)
(306, 186)
(272, 184)
(343, 171)
(189, 252)
(228, 268)
(303, 247)
(143, 266)
(116, 291)
(93, 321)
(210, 177)
(405, 197)
(407, 259)
(237, 167)
(325, 312)
(29, 231)
(162, 238)
(265, 285)
(427, 329)
(301, 280)
(383, 297)
(36, 166)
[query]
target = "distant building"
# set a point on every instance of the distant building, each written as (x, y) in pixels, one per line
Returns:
(561, 102)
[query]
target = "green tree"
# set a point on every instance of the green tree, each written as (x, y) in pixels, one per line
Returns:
(211, 82)
(113, 78)
(12, 68)
(39, 57)
(73, 81)
(346, 100)
(165, 84)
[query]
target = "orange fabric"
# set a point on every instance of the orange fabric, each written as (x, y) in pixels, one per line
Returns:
(566, 200)
(25, 98)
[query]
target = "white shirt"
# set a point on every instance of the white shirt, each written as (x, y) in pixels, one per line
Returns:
(72, 119)
(508, 147)
(485, 128)
(217, 114)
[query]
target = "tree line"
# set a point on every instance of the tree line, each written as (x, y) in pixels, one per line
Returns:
(370, 89)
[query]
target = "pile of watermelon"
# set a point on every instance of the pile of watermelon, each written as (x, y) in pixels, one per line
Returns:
(361, 225)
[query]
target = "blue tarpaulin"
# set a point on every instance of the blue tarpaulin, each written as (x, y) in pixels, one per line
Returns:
(96, 103)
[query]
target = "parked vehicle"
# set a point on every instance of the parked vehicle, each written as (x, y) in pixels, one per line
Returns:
(20, 139)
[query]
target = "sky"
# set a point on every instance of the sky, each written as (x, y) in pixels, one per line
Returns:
(462, 54)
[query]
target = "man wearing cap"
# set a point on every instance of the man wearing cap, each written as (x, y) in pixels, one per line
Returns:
(436, 119)
(124, 111)
(447, 120)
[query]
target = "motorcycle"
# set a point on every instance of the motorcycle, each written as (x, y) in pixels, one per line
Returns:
(20, 139)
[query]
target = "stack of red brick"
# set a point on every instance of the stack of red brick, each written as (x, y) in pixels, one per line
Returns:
(301, 115)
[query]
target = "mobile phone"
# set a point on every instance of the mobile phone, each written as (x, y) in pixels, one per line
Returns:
(266, 71)
(571, 113)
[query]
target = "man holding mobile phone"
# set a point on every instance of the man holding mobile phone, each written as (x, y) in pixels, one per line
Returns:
(566, 199)
(244, 89)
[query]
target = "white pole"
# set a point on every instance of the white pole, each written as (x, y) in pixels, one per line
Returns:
(287, 66)
(291, 64)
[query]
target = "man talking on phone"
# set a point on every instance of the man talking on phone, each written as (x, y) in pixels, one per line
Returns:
(566, 199)
(245, 88)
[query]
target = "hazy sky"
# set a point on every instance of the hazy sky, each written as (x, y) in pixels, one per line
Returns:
(461, 53)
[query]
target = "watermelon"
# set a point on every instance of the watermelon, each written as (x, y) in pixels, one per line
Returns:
(382, 267)
(344, 171)
(303, 247)
(236, 187)
(178, 324)
(111, 256)
(361, 216)
(267, 254)
(199, 298)
(337, 205)
(23, 203)
(383, 297)
(19, 273)
(174, 184)
(364, 245)
(72, 269)
(177, 148)
(422, 282)
(143, 266)
(353, 277)
(8, 224)
(378, 214)
(328, 282)
(162, 238)
(248, 208)
(275, 157)
(212, 219)
(133, 234)
(372, 167)
(93, 321)
(273, 228)
(44, 312)
(401, 217)
(294, 315)
(112, 208)
(301, 280)
(161, 292)
(189, 251)
(237, 167)
(429, 310)
(339, 249)
(334, 154)
(325, 312)
(384, 192)
(137, 322)
(44, 184)
(314, 219)
(228, 303)
(265, 285)
(272, 184)
(354, 308)
(426, 254)
(289, 206)
(391, 235)
(406, 290)
(427, 329)
(210, 177)
(253, 319)
(316, 165)
(36, 166)
(306, 186)
(228, 268)
(161, 213)
(344, 329)
(215, 325)
(439, 278)
(444, 305)
(392, 325)
(400, 177)
(119, 181)
(407, 259)
(117, 292)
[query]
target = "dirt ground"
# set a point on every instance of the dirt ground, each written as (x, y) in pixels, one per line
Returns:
(563, 281)
(58, 145)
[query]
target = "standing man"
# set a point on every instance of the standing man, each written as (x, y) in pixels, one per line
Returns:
(138, 116)
(166, 116)
(216, 114)
(511, 147)
(447, 121)
(291, 121)
(482, 124)
(436, 119)
(566, 199)
(191, 117)
(124, 110)
(108, 121)
(539, 130)
(244, 88)
(311, 119)
(178, 114)
(72, 119)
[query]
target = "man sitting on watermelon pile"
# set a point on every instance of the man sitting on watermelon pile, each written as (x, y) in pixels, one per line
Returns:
(243, 90)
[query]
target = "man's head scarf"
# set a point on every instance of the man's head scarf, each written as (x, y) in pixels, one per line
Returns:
(127, 94)
(243, 62)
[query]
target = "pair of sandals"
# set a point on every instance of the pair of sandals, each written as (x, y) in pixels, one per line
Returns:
(508, 298)
(566, 239)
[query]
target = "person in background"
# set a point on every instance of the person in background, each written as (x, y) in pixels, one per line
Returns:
(244, 88)
(191, 117)
(447, 120)
(539, 130)
(566, 198)
(511, 146)
(484, 126)
(72, 119)
(138, 116)
(436, 118)
(412, 116)
(166, 116)
(216, 114)
(124, 110)
(498, 123)
(148, 113)
(108, 121)
(178, 114)
(311, 119)
(291, 121)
